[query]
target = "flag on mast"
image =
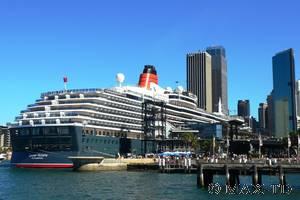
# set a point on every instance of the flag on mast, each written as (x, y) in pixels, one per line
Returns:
(65, 82)
(65, 79)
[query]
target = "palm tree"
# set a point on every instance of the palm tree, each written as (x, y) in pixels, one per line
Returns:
(190, 140)
(205, 145)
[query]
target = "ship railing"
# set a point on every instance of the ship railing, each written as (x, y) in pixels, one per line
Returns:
(103, 153)
(31, 116)
(236, 117)
(89, 90)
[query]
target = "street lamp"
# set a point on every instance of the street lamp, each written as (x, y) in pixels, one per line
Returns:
(260, 145)
(298, 147)
(228, 145)
(214, 145)
(289, 145)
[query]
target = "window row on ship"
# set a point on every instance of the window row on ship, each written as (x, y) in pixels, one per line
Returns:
(115, 97)
(198, 113)
(91, 121)
(97, 141)
(108, 123)
(110, 133)
(121, 115)
(111, 105)
(85, 112)
(187, 113)
(94, 107)
(99, 101)
(103, 102)
(65, 132)
(187, 116)
(114, 118)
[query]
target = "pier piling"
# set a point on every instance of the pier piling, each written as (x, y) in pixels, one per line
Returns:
(227, 175)
(200, 176)
(256, 176)
(282, 179)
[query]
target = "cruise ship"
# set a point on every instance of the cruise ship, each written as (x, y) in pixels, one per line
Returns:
(102, 122)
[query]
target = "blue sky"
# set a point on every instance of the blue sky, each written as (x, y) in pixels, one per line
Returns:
(90, 41)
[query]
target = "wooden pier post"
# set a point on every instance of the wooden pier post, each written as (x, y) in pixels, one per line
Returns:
(227, 175)
(163, 165)
(208, 177)
(189, 165)
(282, 179)
(256, 176)
(185, 165)
(200, 176)
(234, 179)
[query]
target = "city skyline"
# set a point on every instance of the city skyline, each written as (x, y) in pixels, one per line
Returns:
(91, 42)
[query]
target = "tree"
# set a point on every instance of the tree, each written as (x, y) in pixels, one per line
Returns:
(205, 145)
(293, 133)
(190, 140)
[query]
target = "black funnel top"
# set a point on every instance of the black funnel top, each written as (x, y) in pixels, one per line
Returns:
(149, 69)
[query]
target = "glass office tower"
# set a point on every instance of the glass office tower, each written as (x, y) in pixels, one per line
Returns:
(219, 77)
(298, 98)
(284, 93)
(244, 108)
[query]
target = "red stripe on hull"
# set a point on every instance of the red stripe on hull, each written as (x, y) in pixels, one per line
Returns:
(46, 165)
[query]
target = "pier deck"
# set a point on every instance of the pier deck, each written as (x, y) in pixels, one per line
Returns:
(232, 169)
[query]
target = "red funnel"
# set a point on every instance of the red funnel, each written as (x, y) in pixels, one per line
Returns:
(148, 76)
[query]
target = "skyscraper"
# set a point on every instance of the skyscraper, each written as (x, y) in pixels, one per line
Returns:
(253, 124)
(219, 77)
(270, 124)
(244, 108)
(199, 78)
(284, 93)
(263, 117)
(298, 97)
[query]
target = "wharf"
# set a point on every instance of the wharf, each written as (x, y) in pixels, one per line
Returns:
(232, 171)
(89, 163)
(204, 169)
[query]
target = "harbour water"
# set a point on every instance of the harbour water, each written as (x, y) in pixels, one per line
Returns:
(66, 184)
